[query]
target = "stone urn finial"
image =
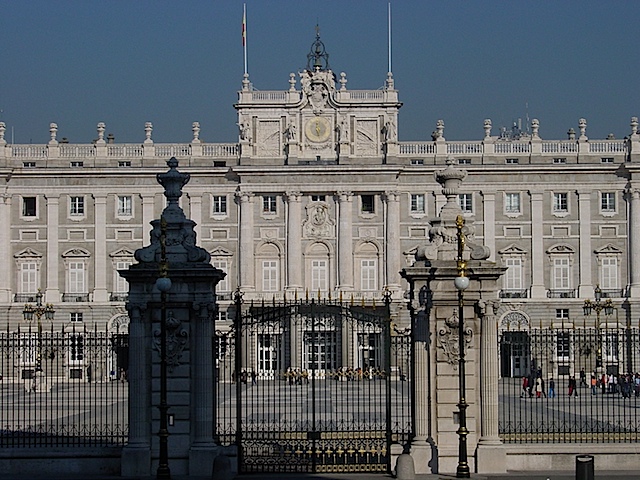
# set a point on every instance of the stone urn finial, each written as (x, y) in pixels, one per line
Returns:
(450, 178)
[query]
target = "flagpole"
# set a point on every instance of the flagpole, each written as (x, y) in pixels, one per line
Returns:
(389, 39)
(244, 36)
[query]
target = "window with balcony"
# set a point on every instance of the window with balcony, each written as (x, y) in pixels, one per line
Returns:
(319, 276)
(223, 285)
(269, 275)
(28, 283)
(368, 275)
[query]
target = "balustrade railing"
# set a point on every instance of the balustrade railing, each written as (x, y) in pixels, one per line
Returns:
(417, 148)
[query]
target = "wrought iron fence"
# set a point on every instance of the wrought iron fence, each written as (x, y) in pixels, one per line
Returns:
(569, 385)
(63, 388)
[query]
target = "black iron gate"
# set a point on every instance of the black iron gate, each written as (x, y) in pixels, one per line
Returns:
(315, 387)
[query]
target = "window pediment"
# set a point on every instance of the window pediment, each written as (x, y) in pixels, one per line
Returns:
(122, 252)
(561, 249)
(220, 252)
(608, 249)
(27, 253)
(512, 249)
(76, 253)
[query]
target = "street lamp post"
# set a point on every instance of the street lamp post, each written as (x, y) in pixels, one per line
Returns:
(29, 312)
(461, 283)
(163, 284)
(598, 306)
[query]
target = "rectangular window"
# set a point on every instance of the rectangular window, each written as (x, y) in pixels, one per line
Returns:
(269, 276)
(76, 164)
(28, 206)
(608, 201)
(560, 202)
(417, 203)
(513, 278)
(563, 345)
(76, 206)
(223, 285)
(559, 160)
(75, 317)
(221, 315)
(417, 161)
(29, 164)
(269, 204)
(562, 314)
(512, 202)
(606, 160)
(318, 198)
(219, 205)
(121, 285)
(368, 277)
(125, 205)
(124, 163)
(368, 204)
(609, 273)
(561, 271)
(512, 161)
(219, 163)
(466, 202)
(76, 277)
(319, 276)
(464, 161)
(76, 348)
(28, 277)
(610, 347)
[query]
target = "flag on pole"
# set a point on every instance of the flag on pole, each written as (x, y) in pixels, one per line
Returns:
(244, 26)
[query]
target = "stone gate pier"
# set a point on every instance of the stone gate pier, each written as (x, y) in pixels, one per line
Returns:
(188, 308)
(435, 315)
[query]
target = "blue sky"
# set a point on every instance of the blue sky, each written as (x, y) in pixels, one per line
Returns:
(80, 62)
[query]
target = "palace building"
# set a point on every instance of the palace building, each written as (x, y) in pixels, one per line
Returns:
(318, 197)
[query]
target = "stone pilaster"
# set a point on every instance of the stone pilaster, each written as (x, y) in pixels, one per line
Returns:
(633, 197)
(195, 213)
(246, 266)
(489, 223)
(538, 289)
(5, 247)
(100, 293)
(491, 455)
(294, 241)
(52, 293)
(585, 287)
(392, 235)
(148, 204)
(136, 454)
(345, 241)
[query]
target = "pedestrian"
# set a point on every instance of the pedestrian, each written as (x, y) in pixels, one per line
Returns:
(572, 386)
(525, 385)
(594, 384)
(552, 388)
(253, 377)
(538, 387)
(583, 377)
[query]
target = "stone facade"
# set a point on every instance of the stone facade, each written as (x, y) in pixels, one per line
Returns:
(319, 196)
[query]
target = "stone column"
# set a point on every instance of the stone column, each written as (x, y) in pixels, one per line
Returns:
(5, 247)
(136, 454)
(100, 293)
(294, 241)
(585, 288)
(246, 266)
(345, 240)
(489, 222)
(491, 455)
(52, 292)
(393, 240)
(633, 197)
(538, 289)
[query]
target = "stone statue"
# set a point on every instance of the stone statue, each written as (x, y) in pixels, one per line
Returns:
(290, 132)
(245, 131)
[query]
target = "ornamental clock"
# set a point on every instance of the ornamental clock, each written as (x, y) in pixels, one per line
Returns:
(318, 129)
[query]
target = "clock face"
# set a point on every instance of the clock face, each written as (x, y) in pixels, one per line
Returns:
(318, 129)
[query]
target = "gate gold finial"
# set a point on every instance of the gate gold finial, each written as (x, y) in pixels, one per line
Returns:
(340, 297)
